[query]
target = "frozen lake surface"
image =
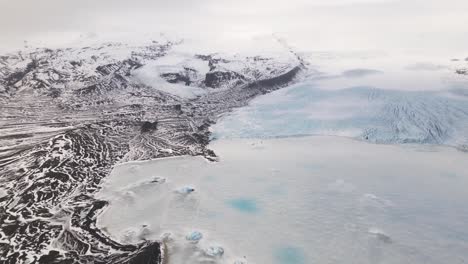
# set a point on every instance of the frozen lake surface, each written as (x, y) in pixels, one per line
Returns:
(277, 198)
(297, 201)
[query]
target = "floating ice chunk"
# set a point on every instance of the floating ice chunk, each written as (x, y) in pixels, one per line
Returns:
(370, 196)
(214, 251)
(373, 201)
(158, 180)
(380, 235)
(185, 190)
(194, 237)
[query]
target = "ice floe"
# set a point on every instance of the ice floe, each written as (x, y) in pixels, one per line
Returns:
(194, 236)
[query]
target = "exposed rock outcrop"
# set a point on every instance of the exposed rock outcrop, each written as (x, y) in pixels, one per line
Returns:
(69, 115)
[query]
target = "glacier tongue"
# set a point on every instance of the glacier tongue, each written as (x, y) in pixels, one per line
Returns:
(376, 115)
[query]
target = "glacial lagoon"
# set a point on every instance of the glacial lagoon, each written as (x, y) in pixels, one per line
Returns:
(363, 165)
(297, 200)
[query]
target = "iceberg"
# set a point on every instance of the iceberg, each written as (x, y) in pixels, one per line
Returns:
(214, 251)
(194, 237)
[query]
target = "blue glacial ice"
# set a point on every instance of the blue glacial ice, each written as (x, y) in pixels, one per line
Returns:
(194, 236)
(367, 113)
(185, 190)
(214, 251)
(289, 255)
(244, 205)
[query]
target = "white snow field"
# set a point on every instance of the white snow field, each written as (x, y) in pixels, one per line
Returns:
(278, 196)
(295, 201)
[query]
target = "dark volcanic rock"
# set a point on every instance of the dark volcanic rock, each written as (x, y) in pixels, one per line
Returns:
(212, 60)
(176, 78)
(462, 71)
(149, 126)
(52, 257)
(18, 75)
(217, 79)
(279, 80)
(70, 115)
(150, 253)
(186, 76)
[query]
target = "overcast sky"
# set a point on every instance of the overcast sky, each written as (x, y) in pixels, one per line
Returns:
(439, 25)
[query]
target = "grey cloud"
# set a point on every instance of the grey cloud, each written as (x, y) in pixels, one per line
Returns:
(331, 24)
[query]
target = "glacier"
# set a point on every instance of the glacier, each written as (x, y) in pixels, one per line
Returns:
(351, 165)
(367, 113)
(273, 196)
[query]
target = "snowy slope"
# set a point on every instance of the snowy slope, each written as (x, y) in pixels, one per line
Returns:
(69, 114)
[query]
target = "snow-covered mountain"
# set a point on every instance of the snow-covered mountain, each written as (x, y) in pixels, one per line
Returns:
(69, 115)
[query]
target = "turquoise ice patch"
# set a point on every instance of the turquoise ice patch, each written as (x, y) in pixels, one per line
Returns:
(289, 255)
(244, 205)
